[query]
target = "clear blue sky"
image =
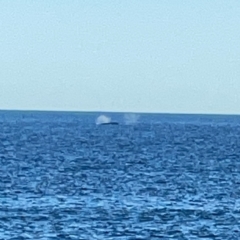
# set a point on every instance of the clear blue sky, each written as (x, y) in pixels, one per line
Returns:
(112, 55)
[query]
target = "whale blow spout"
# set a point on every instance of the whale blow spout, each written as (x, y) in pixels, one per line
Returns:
(104, 120)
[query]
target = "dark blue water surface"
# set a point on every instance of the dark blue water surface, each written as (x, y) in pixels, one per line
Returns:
(165, 177)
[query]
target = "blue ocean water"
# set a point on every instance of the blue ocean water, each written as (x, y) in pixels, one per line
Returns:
(164, 177)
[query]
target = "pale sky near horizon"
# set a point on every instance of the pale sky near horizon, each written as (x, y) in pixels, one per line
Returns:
(135, 56)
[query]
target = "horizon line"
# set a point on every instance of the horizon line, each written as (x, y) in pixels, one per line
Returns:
(117, 112)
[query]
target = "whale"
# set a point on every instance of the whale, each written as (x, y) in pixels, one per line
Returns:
(109, 123)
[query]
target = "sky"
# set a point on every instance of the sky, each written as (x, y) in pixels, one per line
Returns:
(166, 56)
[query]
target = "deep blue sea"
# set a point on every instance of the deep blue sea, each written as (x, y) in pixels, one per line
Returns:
(162, 177)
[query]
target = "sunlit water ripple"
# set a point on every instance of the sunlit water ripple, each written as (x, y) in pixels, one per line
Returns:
(165, 177)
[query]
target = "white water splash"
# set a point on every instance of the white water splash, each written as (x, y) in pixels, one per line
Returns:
(131, 118)
(103, 119)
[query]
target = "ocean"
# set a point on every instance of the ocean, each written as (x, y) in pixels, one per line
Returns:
(161, 176)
